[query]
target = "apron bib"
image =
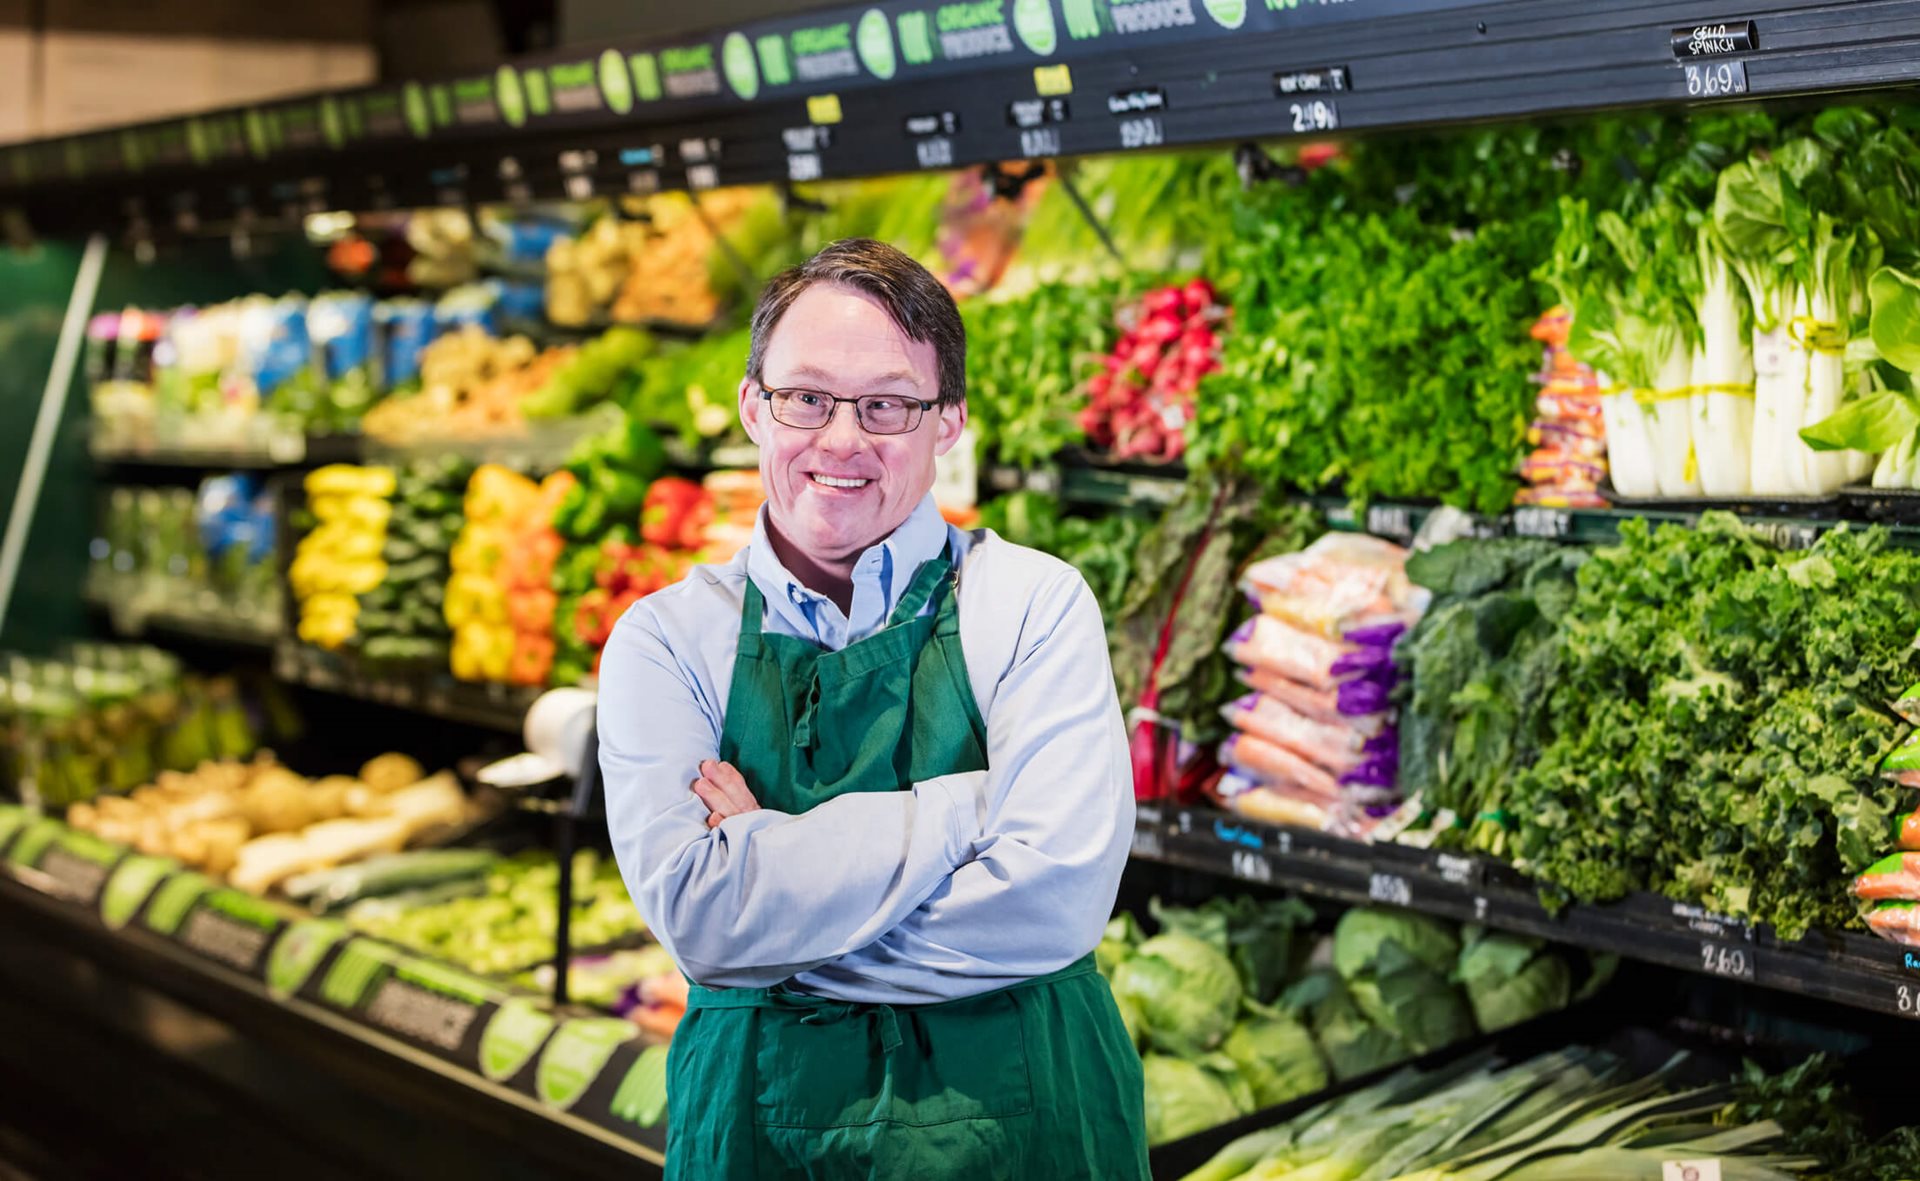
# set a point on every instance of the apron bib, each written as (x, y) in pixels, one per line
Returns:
(1035, 1080)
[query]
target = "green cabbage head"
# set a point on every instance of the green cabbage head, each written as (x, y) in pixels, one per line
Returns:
(1188, 992)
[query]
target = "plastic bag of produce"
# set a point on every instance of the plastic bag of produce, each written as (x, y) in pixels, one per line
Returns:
(1906, 831)
(1902, 764)
(1270, 645)
(1893, 877)
(1276, 766)
(1329, 745)
(1898, 921)
(1337, 706)
(1340, 582)
(1272, 805)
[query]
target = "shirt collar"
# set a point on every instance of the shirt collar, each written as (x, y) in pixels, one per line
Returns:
(880, 576)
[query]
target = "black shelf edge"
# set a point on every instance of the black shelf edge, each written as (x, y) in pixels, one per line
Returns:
(430, 691)
(380, 1060)
(1850, 969)
(163, 623)
(875, 90)
(295, 452)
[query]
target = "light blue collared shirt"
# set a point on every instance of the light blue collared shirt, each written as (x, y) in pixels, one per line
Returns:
(963, 884)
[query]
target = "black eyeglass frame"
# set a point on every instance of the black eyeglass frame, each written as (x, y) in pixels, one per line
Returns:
(767, 393)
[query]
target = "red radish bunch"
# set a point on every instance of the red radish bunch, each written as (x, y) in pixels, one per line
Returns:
(1140, 402)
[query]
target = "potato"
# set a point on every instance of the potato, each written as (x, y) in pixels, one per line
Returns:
(391, 772)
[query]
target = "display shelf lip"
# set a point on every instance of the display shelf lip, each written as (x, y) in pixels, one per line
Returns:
(313, 450)
(205, 974)
(189, 625)
(491, 705)
(1843, 966)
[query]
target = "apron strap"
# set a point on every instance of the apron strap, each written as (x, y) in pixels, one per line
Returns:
(929, 578)
(752, 617)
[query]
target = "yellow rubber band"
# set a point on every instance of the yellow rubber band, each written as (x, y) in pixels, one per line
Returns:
(1819, 336)
(1648, 397)
(1726, 387)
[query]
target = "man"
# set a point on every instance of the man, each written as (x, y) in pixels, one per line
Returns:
(869, 783)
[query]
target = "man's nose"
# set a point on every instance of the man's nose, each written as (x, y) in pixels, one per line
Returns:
(843, 434)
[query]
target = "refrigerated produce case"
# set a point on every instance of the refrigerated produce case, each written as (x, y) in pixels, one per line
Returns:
(1058, 116)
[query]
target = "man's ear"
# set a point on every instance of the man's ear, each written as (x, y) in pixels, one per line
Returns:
(752, 406)
(953, 420)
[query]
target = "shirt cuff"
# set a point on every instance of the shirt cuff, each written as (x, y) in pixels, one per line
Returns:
(962, 796)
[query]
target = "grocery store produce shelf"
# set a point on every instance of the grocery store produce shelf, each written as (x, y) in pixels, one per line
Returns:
(430, 691)
(281, 452)
(869, 90)
(161, 622)
(82, 900)
(1856, 970)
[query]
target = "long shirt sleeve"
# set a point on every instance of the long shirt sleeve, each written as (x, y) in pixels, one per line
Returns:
(955, 886)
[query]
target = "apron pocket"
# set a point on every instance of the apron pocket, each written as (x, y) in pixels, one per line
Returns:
(959, 1060)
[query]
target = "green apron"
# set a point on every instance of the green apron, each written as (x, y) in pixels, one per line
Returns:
(1035, 1080)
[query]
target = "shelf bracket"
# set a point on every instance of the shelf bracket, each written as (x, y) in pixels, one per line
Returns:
(1064, 178)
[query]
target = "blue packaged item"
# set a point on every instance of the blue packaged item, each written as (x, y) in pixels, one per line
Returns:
(473, 305)
(409, 325)
(224, 511)
(279, 346)
(341, 326)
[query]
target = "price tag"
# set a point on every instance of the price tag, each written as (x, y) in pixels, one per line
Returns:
(1389, 888)
(1460, 871)
(64, 863)
(1690, 1170)
(703, 176)
(434, 1006)
(1550, 523)
(1251, 866)
(1142, 131)
(803, 166)
(1711, 79)
(1040, 141)
(1310, 82)
(1906, 1000)
(1386, 520)
(1307, 116)
(231, 928)
(1130, 102)
(1729, 960)
(1146, 840)
(1713, 40)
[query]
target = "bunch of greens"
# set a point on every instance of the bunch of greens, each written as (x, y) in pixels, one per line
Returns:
(691, 391)
(1716, 718)
(1158, 210)
(1183, 585)
(1822, 1120)
(1409, 383)
(1027, 360)
(1478, 667)
(1561, 1115)
(1101, 548)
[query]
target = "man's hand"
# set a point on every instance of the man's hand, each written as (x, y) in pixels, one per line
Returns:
(722, 789)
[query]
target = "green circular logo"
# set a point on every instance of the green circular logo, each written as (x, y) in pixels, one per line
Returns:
(1229, 14)
(509, 95)
(1033, 20)
(419, 121)
(333, 125)
(256, 122)
(616, 85)
(874, 39)
(736, 62)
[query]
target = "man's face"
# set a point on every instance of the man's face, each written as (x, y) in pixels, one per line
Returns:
(842, 342)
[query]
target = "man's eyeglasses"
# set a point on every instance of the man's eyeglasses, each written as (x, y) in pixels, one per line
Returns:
(877, 414)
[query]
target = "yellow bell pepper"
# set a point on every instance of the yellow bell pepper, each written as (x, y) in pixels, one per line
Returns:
(351, 480)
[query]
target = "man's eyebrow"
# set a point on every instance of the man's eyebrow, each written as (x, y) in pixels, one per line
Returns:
(817, 374)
